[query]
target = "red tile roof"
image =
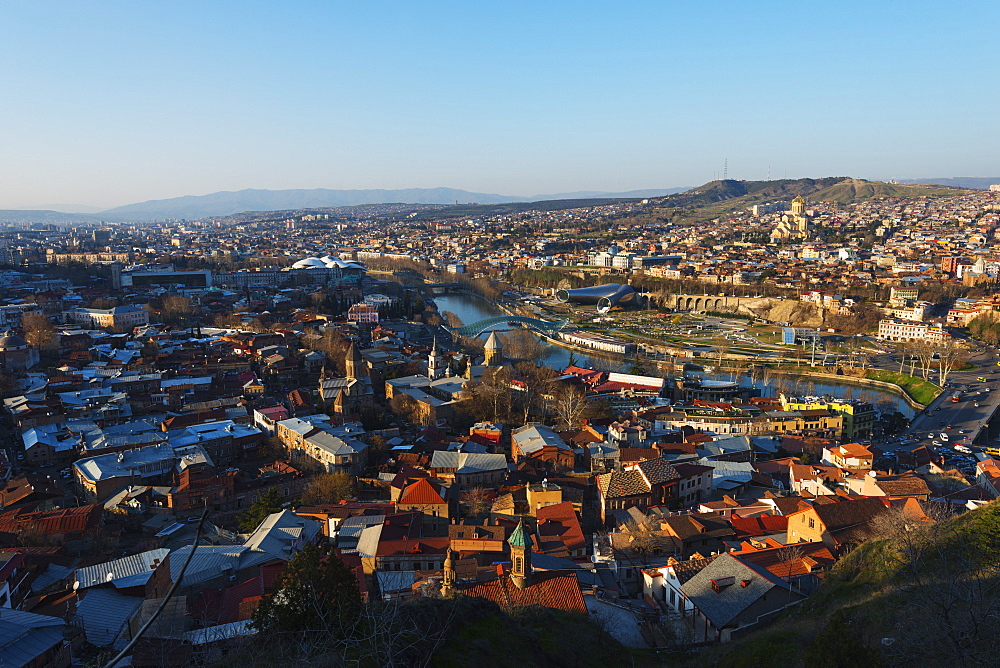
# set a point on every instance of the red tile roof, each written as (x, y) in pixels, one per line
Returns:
(422, 491)
(560, 520)
(759, 526)
(789, 561)
(54, 522)
(551, 590)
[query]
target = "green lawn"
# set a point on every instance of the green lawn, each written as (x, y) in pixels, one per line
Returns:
(918, 389)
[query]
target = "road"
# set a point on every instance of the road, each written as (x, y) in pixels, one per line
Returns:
(964, 415)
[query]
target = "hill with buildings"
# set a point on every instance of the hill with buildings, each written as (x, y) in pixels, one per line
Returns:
(45, 217)
(856, 190)
(716, 198)
(976, 182)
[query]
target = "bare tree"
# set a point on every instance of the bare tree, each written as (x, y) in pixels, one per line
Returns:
(521, 344)
(570, 406)
(491, 398)
(943, 569)
(789, 556)
(451, 319)
(646, 539)
(722, 349)
(38, 331)
(176, 307)
(951, 356)
(925, 352)
(903, 350)
(476, 502)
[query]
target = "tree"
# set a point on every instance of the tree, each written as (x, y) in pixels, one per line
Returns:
(176, 308)
(104, 303)
(645, 538)
(314, 592)
(902, 349)
(475, 502)
(537, 380)
(407, 408)
(722, 349)
(267, 503)
(570, 406)
(452, 319)
(789, 555)
(231, 321)
(521, 344)
(38, 331)
(329, 488)
(952, 355)
(925, 352)
(491, 397)
(8, 384)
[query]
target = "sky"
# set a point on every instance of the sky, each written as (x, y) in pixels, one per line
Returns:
(108, 103)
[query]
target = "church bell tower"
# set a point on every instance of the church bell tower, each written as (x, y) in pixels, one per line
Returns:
(520, 556)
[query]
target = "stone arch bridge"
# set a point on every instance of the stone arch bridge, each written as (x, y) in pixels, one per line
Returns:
(716, 303)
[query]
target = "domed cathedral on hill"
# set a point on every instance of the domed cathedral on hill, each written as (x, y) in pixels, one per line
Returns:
(794, 225)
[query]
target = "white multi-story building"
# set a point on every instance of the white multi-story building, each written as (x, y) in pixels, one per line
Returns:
(894, 330)
(124, 317)
(363, 314)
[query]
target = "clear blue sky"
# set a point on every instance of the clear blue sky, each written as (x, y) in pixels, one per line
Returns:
(106, 103)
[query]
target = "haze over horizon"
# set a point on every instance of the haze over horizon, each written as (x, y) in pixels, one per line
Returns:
(120, 103)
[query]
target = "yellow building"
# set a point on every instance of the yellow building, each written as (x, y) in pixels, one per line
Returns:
(859, 416)
(798, 421)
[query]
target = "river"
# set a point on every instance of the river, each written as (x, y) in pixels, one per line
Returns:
(472, 309)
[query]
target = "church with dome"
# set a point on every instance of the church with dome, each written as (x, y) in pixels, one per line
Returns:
(794, 225)
(16, 354)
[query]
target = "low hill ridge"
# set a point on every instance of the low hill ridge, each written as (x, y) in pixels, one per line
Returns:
(227, 203)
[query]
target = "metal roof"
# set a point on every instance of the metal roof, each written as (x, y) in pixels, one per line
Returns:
(104, 615)
(24, 636)
(130, 571)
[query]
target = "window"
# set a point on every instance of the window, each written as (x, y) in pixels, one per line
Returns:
(812, 523)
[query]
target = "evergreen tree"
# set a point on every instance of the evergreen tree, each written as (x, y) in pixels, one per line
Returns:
(267, 503)
(314, 592)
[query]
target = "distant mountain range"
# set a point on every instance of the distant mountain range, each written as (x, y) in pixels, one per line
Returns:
(192, 207)
(228, 202)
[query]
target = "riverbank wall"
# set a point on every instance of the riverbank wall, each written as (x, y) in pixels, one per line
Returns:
(858, 382)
